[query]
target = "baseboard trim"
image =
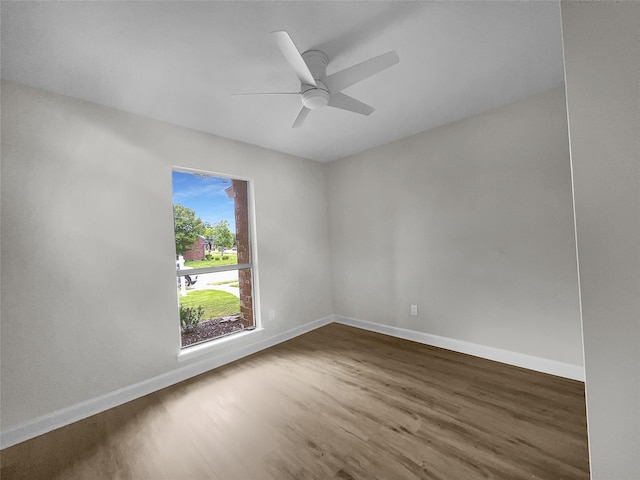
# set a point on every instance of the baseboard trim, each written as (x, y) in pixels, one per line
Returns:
(66, 416)
(560, 369)
(74, 413)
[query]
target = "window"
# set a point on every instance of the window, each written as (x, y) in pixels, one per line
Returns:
(214, 267)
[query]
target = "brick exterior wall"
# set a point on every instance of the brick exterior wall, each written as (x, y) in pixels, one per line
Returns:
(239, 193)
(196, 252)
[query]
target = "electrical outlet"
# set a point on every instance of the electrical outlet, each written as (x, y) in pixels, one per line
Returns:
(414, 310)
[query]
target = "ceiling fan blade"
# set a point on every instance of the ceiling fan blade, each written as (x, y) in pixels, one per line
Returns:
(338, 81)
(292, 54)
(345, 102)
(301, 117)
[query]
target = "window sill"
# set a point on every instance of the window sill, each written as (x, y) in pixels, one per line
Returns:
(213, 345)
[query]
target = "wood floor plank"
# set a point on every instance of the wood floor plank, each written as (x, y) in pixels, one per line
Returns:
(336, 403)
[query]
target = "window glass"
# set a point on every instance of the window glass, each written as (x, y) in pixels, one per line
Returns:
(213, 256)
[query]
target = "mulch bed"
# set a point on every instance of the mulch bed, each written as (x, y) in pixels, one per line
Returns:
(216, 327)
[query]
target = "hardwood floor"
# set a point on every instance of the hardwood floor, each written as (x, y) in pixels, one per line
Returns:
(336, 403)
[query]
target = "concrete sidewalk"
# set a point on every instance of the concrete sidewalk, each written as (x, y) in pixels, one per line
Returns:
(206, 279)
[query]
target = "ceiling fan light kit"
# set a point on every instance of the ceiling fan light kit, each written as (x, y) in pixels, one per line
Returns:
(317, 90)
(315, 97)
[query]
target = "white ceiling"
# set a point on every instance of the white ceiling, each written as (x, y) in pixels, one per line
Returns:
(181, 61)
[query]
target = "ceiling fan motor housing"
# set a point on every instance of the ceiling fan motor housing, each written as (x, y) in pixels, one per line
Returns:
(317, 62)
(315, 97)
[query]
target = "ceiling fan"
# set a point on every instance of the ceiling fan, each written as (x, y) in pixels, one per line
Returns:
(317, 89)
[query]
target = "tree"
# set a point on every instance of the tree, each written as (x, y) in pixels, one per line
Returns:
(187, 227)
(221, 236)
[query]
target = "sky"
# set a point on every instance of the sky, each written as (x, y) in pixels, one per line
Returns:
(205, 195)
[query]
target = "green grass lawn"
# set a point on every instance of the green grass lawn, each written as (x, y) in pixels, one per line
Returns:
(216, 303)
(232, 260)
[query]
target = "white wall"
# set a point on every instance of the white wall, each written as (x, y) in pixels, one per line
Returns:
(88, 274)
(602, 65)
(473, 222)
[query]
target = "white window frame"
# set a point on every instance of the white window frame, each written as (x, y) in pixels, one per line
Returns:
(201, 348)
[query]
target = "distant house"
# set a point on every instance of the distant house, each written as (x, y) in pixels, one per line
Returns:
(197, 250)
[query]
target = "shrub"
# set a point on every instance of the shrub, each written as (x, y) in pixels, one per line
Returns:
(217, 258)
(225, 257)
(190, 318)
(209, 256)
